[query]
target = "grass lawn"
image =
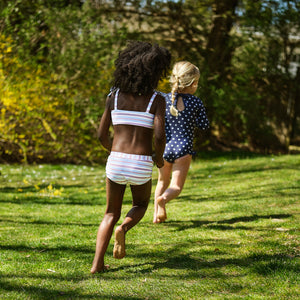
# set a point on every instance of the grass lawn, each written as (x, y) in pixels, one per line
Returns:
(233, 233)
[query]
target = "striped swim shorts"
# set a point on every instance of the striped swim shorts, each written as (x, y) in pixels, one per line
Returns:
(123, 168)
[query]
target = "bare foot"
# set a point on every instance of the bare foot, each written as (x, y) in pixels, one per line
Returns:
(161, 215)
(95, 269)
(119, 247)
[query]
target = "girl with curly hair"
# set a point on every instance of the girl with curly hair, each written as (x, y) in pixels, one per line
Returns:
(184, 112)
(137, 114)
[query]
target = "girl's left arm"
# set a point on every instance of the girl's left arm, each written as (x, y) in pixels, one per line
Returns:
(202, 120)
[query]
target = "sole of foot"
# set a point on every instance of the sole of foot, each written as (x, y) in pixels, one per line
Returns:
(119, 247)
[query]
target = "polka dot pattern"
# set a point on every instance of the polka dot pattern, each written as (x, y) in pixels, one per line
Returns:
(180, 129)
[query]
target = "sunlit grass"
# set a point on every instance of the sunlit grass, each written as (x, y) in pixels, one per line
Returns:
(233, 233)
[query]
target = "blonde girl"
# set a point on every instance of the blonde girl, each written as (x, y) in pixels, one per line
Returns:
(184, 112)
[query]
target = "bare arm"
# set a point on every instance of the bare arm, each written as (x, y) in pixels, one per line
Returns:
(103, 130)
(159, 132)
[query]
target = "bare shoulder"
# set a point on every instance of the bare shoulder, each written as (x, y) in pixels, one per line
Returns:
(109, 102)
(159, 102)
(160, 97)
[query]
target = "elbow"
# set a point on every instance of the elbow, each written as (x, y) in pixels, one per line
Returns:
(102, 139)
(105, 141)
(101, 135)
(98, 137)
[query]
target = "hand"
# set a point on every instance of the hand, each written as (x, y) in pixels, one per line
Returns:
(159, 162)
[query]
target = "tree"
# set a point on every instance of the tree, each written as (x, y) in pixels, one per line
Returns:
(75, 55)
(277, 24)
(66, 49)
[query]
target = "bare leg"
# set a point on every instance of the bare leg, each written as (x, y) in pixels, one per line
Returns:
(179, 173)
(163, 182)
(114, 198)
(140, 200)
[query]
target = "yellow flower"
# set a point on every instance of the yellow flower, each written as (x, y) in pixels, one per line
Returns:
(57, 193)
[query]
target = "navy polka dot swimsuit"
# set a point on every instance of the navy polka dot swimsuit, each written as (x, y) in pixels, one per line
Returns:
(180, 129)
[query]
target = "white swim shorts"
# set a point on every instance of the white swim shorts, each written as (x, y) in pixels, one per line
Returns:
(124, 168)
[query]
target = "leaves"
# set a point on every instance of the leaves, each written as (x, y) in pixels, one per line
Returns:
(57, 60)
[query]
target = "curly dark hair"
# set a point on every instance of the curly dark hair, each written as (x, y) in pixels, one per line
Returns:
(140, 66)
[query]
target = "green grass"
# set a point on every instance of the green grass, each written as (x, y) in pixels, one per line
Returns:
(233, 233)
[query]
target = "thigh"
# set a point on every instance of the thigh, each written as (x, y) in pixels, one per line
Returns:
(180, 170)
(114, 196)
(141, 194)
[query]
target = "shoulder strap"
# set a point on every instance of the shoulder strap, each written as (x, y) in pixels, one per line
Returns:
(151, 101)
(116, 99)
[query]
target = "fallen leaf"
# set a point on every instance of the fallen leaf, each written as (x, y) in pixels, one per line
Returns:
(51, 270)
(281, 229)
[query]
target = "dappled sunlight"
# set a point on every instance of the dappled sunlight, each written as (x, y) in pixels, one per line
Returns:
(235, 224)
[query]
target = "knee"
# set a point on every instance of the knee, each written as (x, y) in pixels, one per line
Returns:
(112, 218)
(177, 189)
(143, 210)
(142, 205)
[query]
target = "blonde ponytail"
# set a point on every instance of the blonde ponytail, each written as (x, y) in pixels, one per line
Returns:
(173, 110)
(183, 75)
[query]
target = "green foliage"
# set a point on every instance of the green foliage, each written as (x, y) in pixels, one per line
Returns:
(40, 119)
(69, 76)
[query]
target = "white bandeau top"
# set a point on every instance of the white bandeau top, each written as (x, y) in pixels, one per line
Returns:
(130, 117)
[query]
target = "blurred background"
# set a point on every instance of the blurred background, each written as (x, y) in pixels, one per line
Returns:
(57, 60)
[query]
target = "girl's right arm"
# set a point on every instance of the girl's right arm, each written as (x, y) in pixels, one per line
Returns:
(103, 130)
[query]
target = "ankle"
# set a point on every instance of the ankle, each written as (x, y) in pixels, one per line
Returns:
(122, 228)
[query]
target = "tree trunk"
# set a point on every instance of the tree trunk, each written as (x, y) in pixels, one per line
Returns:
(219, 49)
(294, 128)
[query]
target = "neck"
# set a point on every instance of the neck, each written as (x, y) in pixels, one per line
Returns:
(187, 90)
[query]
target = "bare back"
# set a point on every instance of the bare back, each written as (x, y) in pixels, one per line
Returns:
(134, 139)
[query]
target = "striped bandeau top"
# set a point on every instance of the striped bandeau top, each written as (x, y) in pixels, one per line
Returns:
(135, 118)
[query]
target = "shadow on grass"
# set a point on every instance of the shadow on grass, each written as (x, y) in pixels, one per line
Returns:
(262, 264)
(30, 194)
(219, 224)
(249, 193)
(196, 266)
(53, 293)
(47, 249)
(3, 219)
